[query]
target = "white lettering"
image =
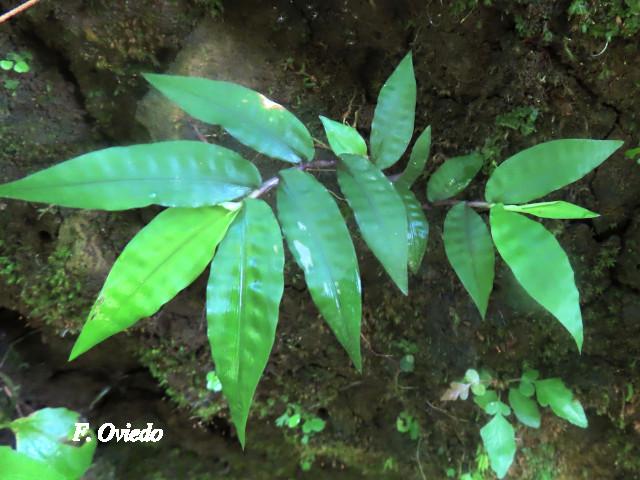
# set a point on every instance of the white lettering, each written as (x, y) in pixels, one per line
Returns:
(112, 432)
(81, 429)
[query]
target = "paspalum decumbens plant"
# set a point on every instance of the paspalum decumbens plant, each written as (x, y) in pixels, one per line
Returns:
(215, 215)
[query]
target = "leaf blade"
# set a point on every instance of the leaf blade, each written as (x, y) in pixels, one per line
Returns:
(417, 228)
(511, 231)
(453, 176)
(343, 138)
(380, 214)
(417, 160)
(247, 115)
(18, 466)
(526, 410)
(161, 260)
(499, 441)
(171, 174)
(468, 246)
(543, 168)
(320, 242)
(41, 436)
(556, 209)
(243, 298)
(552, 392)
(393, 118)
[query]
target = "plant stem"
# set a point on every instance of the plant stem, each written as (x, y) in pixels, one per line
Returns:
(17, 10)
(273, 182)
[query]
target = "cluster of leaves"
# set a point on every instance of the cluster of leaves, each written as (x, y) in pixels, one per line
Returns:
(44, 447)
(305, 425)
(215, 217)
(407, 423)
(498, 436)
(17, 63)
(607, 19)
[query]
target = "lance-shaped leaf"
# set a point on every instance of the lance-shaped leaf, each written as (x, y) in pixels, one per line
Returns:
(526, 409)
(468, 246)
(418, 159)
(320, 242)
(499, 441)
(392, 125)
(541, 169)
(243, 298)
(453, 176)
(45, 436)
(247, 115)
(18, 466)
(540, 265)
(553, 393)
(379, 212)
(161, 260)
(417, 227)
(557, 209)
(172, 174)
(343, 138)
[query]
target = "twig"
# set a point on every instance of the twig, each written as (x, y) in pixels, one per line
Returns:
(418, 459)
(17, 10)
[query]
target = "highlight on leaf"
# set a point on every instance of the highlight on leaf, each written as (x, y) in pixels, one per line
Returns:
(453, 176)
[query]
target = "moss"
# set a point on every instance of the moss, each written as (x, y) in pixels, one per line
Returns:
(606, 19)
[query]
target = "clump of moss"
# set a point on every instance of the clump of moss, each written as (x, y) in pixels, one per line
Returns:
(606, 19)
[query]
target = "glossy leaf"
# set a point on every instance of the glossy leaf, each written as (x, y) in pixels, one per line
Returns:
(247, 115)
(539, 170)
(180, 173)
(320, 242)
(557, 209)
(343, 138)
(553, 393)
(526, 410)
(417, 161)
(499, 441)
(540, 265)
(392, 125)
(417, 228)
(453, 176)
(44, 436)
(380, 214)
(18, 466)
(161, 260)
(468, 246)
(243, 298)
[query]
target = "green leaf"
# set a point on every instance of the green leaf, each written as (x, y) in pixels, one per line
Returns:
(523, 244)
(417, 227)
(380, 214)
(42, 436)
(417, 161)
(407, 363)
(161, 260)
(472, 376)
(499, 441)
(17, 466)
(6, 64)
(249, 116)
(343, 138)
(172, 174)
(321, 245)
(469, 249)
(392, 125)
(484, 400)
(453, 176)
(294, 420)
(530, 374)
(526, 410)
(526, 388)
(539, 170)
(557, 209)
(553, 393)
(478, 389)
(495, 407)
(21, 67)
(313, 425)
(243, 298)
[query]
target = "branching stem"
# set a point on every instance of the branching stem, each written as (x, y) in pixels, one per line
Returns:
(273, 182)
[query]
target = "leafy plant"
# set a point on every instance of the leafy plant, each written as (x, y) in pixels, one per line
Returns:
(407, 423)
(525, 395)
(215, 216)
(44, 447)
(306, 426)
